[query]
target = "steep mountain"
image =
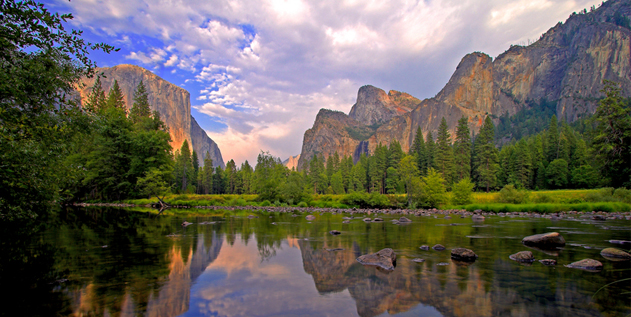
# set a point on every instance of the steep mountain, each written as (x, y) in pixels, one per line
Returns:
(172, 102)
(566, 66)
(292, 162)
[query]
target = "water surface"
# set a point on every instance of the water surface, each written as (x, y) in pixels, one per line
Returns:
(128, 263)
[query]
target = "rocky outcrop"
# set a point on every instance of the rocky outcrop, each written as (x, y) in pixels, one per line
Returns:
(202, 144)
(567, 65)
(374, 106)
(172, 102)
(292, 162)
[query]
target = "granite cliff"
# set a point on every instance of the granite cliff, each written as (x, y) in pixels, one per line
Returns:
(172, 102)
(567, 65)
(292, 162)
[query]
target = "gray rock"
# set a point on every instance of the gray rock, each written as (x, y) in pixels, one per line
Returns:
(615, 254)
(367, 220)
(523, 256)
(310, 217)
(545, 240)
(385, 259)
(438, 247)
(548, 262)
(377, 220)
(403, 219)
(424, 247)
(477, 218)
(346, 221)
(418, 260)
(462, 254)
(587, 265)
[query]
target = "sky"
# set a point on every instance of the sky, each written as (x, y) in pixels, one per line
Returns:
(259, 71)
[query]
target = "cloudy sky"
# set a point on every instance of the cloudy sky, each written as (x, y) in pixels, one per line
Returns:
(259, 71)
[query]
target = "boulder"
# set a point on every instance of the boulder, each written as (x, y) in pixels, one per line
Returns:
(477, 218)
(462, 254)
(586, 264)
(377, 220)
(546, 240)
(615, 254)
(310, 217)
(334, 232)
(403, 219)
(367, 220)
(424, 247)
(418, 260)
(548, 262)
(523, 256)
(438, 247)
(186, 224)
(385, 259)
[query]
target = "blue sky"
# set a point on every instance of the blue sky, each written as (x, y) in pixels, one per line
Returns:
(259, 71)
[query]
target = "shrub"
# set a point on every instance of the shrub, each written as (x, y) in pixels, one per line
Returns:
(509, 194)
(622, 195)
(266, 203)
(302, 204)
(433, 189)
(462, 192)
(543, 198)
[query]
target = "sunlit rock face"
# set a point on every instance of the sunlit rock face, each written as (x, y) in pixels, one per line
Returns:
(292, 162)
(172, 102)
(567, 65)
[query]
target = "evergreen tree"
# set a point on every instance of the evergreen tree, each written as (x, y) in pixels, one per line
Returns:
(486, 156)
(337, 183)
(392, 180)
(231, 176)
(462, 150)
(358, 177)
(552, 140)
(346, 166)
(115, 98)
(557, 173)
(612, 136)
(246, 175)
(430, 150)
(208, 174)
(395, 154)
(141, 107)
(408, 171)
(96, 98)
(219, 181)
(443, 157)
(184, 172)
(418, 149)
(195, 161)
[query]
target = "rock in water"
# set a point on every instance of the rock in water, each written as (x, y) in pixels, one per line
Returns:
(438, 247)
(367, 220)
(310, 217)
(385, 259)
(548, 262)
(523, 256)
(462, 254)
(418, 260)
(346, 221)
(615, 254)
(477, 218)
(545, 240)
(587, 265)
(186, 224)
(403, 219)
(252, 216)
(424, 247)
(377, 220)
(334, 232)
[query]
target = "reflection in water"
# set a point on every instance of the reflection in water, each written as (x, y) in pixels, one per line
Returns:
(134, 264)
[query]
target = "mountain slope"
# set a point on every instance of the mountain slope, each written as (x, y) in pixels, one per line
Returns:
(172, 102)
(566, 66)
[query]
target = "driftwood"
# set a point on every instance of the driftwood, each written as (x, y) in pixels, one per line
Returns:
(161, 205)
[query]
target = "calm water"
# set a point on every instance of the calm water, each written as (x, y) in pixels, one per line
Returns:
(127, 263)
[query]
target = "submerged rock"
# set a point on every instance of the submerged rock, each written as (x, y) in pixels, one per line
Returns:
(477, 218)
(252, 216)
(334, 232)
(377, 220)
(403, 219)
(523, 256)
(438, 247)
(310, 217)
(385, 259)
(616, 254)
(186, 224)
(418, 260)
(424, 247)
(463, 254)
(548, 262)
(546, 240)
(367, 220)
(619, 242)
(346, 221)
(587, 265)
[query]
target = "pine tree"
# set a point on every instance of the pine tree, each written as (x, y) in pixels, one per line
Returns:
(462, 150)
(246, 176)
(96, 98)
(395, 154)
(195, 162)
(115, 98)
(140, 108)
(419, 150)
(231, 176)
(430, 150)
(184, 174)
(443, 157)
(486, 156)
(552, 140)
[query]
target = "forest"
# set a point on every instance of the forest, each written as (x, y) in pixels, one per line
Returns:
(55, 150)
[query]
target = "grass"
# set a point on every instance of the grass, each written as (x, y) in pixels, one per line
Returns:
(547, 201)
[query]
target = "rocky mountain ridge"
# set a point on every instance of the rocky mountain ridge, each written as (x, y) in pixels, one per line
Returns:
(292, 162)
(566, 65)
(172, 102)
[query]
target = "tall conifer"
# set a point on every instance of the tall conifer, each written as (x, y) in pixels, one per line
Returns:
(462, 150)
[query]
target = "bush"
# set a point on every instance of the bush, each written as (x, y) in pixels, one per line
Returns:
(433, 191)
(462, 192)
(266, 203)
(543, 198)
(302, 204)
(510, 195)
(622, 195)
